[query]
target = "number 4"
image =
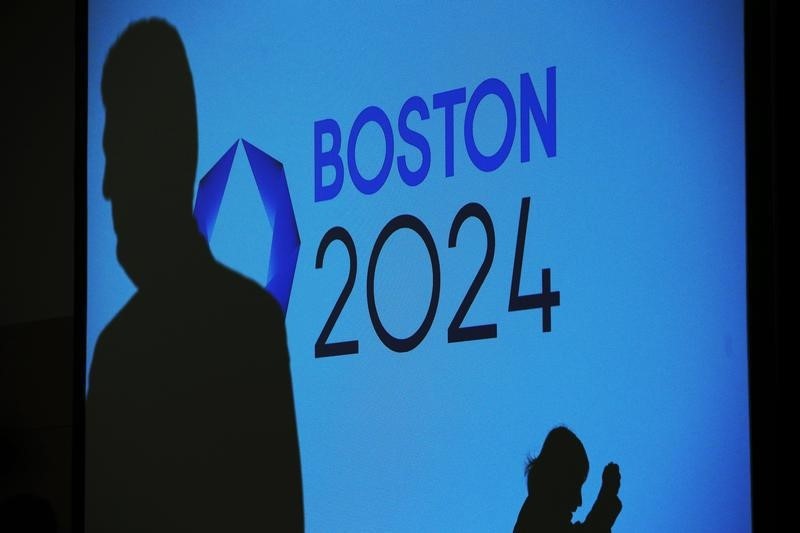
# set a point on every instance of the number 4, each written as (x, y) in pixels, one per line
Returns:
(545, 300)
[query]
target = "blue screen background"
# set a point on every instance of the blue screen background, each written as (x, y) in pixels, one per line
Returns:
(640, 217)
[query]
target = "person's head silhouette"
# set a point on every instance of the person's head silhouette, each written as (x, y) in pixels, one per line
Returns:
(555, 478)
(556, 475)
(150, 143)
(190, 419)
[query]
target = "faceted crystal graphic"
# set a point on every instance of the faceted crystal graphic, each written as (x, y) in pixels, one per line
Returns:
(210, 191)
(270, 179)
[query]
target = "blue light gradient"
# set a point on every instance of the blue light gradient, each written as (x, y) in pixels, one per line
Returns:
(640, 217)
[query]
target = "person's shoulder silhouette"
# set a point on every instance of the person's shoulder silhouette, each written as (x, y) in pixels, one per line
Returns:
(190, 414)
(555, 478)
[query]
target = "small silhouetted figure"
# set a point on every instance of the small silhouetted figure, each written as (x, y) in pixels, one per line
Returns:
(555, 478)
(190, 422)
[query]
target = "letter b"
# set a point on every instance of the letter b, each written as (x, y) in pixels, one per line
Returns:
(330, 158)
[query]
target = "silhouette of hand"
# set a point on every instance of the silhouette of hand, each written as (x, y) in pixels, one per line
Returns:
(607, 506)
(611, 478)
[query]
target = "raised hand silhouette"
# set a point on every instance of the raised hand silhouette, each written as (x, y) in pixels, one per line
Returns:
(555, 479)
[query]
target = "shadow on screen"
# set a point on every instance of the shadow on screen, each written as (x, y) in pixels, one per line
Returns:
(190, 422)
(555, 478)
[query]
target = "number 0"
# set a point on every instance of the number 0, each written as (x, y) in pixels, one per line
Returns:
(390, 341)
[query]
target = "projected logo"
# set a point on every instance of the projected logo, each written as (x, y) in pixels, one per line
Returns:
(271, 182)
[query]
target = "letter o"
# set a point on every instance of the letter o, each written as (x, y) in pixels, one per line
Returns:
(498, 88)
(370, 114)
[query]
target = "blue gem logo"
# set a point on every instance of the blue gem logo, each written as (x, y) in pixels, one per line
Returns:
(272, 187)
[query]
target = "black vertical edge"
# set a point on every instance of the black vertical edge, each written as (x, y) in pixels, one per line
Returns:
(763, 288)
(79, 422)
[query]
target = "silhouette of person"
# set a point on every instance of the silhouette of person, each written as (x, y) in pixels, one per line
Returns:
(190, 422)
(555, 478)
